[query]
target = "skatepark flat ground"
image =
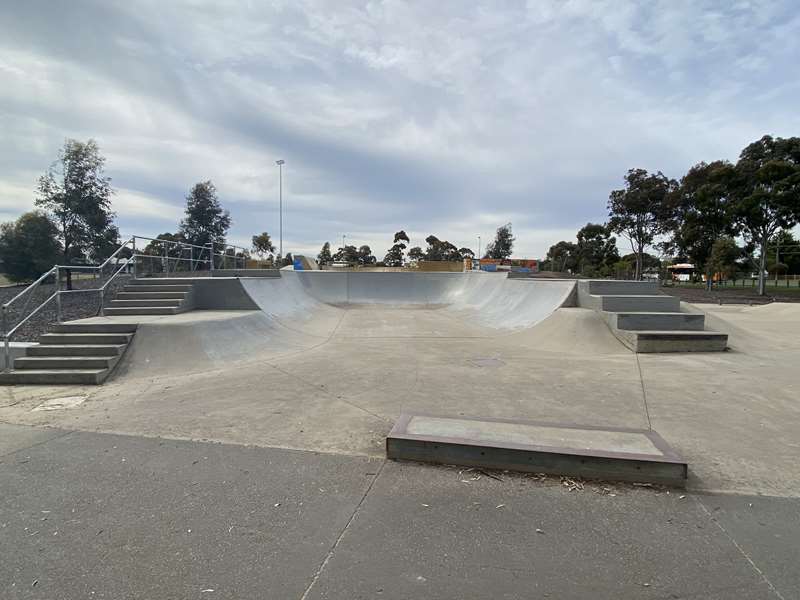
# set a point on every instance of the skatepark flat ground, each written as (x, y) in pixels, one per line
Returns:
(314, 397)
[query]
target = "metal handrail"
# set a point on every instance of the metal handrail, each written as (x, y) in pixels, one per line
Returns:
(7, 333)
(25, 291)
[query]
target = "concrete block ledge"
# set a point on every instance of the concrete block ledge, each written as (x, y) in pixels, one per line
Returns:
(613, 454)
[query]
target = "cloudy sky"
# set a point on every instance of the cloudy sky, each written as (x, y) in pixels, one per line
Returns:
(444, 117)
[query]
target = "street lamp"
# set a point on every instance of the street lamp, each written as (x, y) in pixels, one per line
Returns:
(479, 246)
(280, 164)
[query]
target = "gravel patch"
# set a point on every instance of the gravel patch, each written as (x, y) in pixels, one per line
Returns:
(730, 295)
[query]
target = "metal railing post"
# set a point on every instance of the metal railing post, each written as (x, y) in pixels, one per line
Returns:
(102, 302)
(166, 258)
(134, 257)
(6, 350)
(211, 252)
(58, 295)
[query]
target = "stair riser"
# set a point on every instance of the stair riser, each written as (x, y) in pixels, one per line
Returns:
(66, 363)
(54, 350)
(141, 311)
(660, 322)
(650, 343)
(635, 304)
(168, 303)
(23, 378)
(158, 288)
(95, 328)
(621, 288)
(152, 295)
(84, 338)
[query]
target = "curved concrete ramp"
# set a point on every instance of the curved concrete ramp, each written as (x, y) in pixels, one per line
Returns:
(309, 300)
(303, 310)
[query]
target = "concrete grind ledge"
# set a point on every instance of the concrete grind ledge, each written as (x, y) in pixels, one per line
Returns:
(635, 455)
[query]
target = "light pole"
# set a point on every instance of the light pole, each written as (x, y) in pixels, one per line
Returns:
(280, 164)
(343, 236)
(479, 246)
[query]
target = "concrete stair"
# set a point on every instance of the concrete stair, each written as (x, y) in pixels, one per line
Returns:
(658, 321)
(160, 296)
(647, 321)
(73, 353)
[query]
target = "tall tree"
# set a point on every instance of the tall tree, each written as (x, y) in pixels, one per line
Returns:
(262, 245)
(563, 257)
(784, 250)
(365, 256)
(77, 195)
(394, 256)
(348, 254)
(639, 212)
(162, 252)
(324, 257)
(596, 251)
(700, 214)
(206, 221)
(441, 250)
(722, 258)
(416, 253)
(502, 244)
(401, 236)
(29, 246)
(765, 191)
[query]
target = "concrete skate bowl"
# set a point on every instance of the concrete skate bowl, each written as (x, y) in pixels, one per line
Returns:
(302, 311)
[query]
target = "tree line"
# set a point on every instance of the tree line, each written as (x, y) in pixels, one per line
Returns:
(436, 250)
(701, 218)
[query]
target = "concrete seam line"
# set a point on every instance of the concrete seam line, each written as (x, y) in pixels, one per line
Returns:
(739, 548)
(339, 538)
(644, 392)
(55, 437)
(327, 392)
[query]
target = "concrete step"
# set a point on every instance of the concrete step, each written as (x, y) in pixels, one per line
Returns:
(79, 327)
(157, 288)
(662, 321)
(142, 310)
(610, 287)
(169, 302)
(673, 341)
(75, 350)
(65, 362)
(137, 295)
(85, 338)
(640, 303)
(613, 454)
(54, 376)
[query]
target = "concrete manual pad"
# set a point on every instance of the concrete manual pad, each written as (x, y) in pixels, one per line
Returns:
(562, 449)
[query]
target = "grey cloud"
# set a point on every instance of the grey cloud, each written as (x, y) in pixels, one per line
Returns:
(388, 115)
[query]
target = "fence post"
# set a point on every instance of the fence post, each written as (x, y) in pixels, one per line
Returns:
(166, 259)
(135, 260)
(102, 302)
(6, 350)
(211, 253)
(58, 295)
